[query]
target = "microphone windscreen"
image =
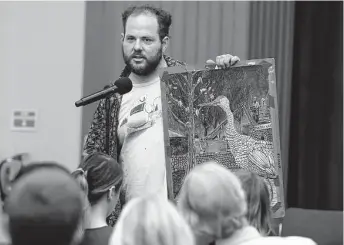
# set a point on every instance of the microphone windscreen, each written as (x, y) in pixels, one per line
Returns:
(124, 85)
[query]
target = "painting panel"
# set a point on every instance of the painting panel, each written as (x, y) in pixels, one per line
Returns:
(228, 116)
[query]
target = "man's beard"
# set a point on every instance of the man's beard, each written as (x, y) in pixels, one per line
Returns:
(149, 64)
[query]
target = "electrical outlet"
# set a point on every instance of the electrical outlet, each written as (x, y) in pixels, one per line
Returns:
(24, 120)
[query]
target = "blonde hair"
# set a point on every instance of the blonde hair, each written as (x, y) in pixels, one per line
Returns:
(213, 201)
(258, 202)
(151, 220)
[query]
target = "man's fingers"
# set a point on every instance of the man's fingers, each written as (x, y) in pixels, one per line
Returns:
(210, 64)
(220, 61)
(234, 60)
(227, 60)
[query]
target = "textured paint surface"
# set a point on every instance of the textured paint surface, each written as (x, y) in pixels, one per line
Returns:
(224, 116)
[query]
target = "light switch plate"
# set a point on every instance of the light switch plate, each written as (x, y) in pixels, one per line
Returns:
(24, 120)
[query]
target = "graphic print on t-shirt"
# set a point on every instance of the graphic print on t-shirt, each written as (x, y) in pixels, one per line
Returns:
(140, 135)
(143, 115)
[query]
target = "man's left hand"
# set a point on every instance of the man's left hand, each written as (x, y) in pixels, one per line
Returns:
(223, 61)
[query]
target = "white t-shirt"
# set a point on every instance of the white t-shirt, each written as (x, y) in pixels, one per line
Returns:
(140, 134)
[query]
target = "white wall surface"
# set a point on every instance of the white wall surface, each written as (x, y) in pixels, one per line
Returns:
(41, 68)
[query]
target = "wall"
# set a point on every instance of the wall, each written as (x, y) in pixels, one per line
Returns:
(41, 67)
(199, 31)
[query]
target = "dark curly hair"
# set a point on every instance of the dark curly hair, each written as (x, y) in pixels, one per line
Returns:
(164, 18)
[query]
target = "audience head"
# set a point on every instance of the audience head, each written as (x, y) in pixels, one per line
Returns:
(44, 206)
(100, 177)
(39, 165)
(151, 220)
(258, 201)
(213, 202)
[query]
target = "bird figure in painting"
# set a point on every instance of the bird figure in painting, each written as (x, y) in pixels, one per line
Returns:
(250, 154)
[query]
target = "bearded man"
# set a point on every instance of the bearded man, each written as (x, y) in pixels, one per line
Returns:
(136, 128)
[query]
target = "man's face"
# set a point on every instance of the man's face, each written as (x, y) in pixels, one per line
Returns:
(141, 45)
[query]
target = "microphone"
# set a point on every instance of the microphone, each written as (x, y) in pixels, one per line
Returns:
(121, 86)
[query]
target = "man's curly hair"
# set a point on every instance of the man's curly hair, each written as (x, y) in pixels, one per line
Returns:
(164, 18)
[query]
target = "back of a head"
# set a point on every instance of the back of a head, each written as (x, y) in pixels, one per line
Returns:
(17, 169)
(151, 220)
(44, 207)
(213, 201)
(258, 201)
(39, 165)
(97, 174)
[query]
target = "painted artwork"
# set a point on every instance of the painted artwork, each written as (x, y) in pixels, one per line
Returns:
(229, 116)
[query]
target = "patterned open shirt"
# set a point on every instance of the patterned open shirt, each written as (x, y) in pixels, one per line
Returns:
(96, 138)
